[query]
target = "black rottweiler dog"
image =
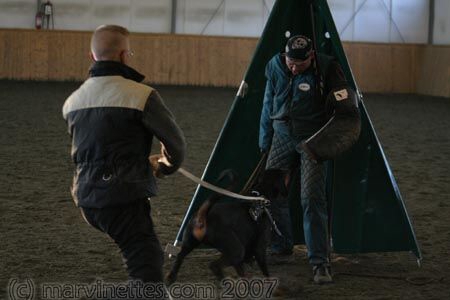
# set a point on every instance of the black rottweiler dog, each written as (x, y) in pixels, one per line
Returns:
(227, 225)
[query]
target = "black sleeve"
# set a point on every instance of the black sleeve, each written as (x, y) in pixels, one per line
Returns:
(159, 120)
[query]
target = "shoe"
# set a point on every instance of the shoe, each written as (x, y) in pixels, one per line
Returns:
(322, 274)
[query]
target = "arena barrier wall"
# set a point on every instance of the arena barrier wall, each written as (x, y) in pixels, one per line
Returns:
(215, 61)
(434, 71)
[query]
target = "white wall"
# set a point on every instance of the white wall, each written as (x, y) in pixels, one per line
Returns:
(441, 32)
(136, 15)
(223, 17)
(356, 20)
(212, 17)
(193, 16)
(386, 21)
(17, 14)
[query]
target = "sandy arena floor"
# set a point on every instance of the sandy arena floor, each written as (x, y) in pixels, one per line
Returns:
(44, 238)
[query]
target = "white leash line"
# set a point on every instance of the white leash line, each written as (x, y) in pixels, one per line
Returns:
(218, 189)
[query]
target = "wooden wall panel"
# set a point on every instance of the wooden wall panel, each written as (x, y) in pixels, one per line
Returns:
(17, 55)
(3, 56)
(388, 68)
(374, 66)
(215, 61)
(403, 69)
(192, 60)
(434, 71)
(56, 54)
(39, 55)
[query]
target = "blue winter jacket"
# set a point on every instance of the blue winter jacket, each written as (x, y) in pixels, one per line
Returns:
(280, 86)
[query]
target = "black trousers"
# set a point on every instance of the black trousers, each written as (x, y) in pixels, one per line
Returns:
(131, 228)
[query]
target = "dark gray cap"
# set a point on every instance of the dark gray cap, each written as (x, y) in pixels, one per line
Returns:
(299, 47)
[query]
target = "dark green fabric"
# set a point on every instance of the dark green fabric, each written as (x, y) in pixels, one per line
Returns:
(368, 213)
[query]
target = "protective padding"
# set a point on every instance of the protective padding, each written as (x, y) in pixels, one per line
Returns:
(341, 132)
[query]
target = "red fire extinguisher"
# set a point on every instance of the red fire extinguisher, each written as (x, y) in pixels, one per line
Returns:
(44, 15)
(38, 20)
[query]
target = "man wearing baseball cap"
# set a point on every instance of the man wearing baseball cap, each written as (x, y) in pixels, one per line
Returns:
(294, 110)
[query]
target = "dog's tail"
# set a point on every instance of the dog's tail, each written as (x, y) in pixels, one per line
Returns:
(227, 177)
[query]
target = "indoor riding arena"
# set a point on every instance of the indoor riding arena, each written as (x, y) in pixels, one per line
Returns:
(200, 55)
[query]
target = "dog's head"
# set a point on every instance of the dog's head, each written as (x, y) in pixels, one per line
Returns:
(271, 184)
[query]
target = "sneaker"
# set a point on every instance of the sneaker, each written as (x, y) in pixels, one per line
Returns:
(322, 274)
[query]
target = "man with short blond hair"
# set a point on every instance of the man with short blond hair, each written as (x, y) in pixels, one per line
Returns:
(112, 119)
(108, 41)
